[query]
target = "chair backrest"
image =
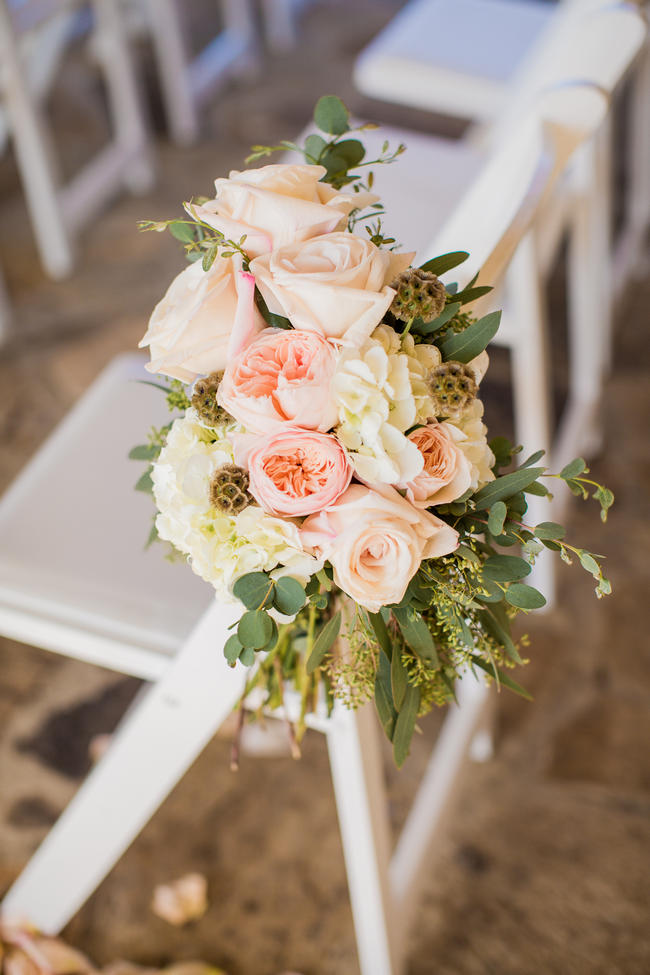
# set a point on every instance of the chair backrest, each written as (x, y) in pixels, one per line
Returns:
(529, 157)
(43, 28)
(587, 41)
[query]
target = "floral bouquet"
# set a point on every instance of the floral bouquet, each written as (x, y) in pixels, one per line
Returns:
(330, 466)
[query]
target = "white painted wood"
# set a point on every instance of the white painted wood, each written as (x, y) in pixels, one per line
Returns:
(59, 212)
(35, 155)
(357, 774)
(468, 77)
(434, 800)
(186, 81)
(152, 750)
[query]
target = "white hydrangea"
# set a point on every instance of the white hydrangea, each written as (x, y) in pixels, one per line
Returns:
(372, 390)
(475, 445)
(220, 547)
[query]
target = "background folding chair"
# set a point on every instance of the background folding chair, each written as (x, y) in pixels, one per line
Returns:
(186, 80)
(32, 34)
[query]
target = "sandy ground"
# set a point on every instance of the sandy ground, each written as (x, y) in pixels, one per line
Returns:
(544, 866)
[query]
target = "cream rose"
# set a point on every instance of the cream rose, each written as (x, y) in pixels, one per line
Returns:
(335, 284)
(281, 377)
(376, 541)
(294, 472)
(205, 318)
(447, 473)
(276, 205)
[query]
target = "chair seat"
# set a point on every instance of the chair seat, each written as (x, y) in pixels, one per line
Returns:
(74, 573)
(434, 55)
(420, 190)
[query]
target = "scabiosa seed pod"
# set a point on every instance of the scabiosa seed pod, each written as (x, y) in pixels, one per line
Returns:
(229, 489)
(420, 294)
(453, 387)
(204, 400)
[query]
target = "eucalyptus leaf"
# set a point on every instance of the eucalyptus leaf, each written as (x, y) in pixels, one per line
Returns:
(417, 635)
(550, 530)
(275, 321)
(505, 568)
(323, 642)
(232, 649)
(573, 469)
(524, 597)
(255, 589)
(331, 115)
(533, 458)
(351, 150)
(426, 328)
(144, 482)
(247, 656)
(496, 626)
(314, 145)
(384, 697)
(255, 629)
(445, 262)
(466, 345)
(496, 517)
(405, 724)
(144, 452)
(183, 231)
(383, 637)
(398, 679)
(289, 595)
(506, 487)
(502, 677)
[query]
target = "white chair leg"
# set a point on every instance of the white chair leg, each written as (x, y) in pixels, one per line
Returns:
(5, 311)
(35, 159)
(172, 62)
(631, 254)
(279, 25)
(531, 383)
(355, 759)
(152, 750)
(126, 110)
(435, 797)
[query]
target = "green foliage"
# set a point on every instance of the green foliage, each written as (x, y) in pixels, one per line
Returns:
(331, 115)
(445, 262)
(463, 347)
(276, 321)
(324, 642)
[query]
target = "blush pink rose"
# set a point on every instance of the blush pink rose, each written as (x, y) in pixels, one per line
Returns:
(204, 319)
(276, 205)
(447, 473)
(376, 540)
(284, 376)
(336, 284)
(294, 472)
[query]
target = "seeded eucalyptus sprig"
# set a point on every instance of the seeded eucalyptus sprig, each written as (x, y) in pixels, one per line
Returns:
(200, 241)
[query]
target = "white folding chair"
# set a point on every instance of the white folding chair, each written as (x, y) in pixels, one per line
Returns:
(467, 77)
(279, 20)
(477, 81)
(433, 174)
(186, 80)
(76, 583)
(32, 33)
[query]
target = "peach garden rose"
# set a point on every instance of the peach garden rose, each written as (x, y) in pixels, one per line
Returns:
(336, 284)
(296, 472)
(375, 541)
(447, 473)
(281, 377)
